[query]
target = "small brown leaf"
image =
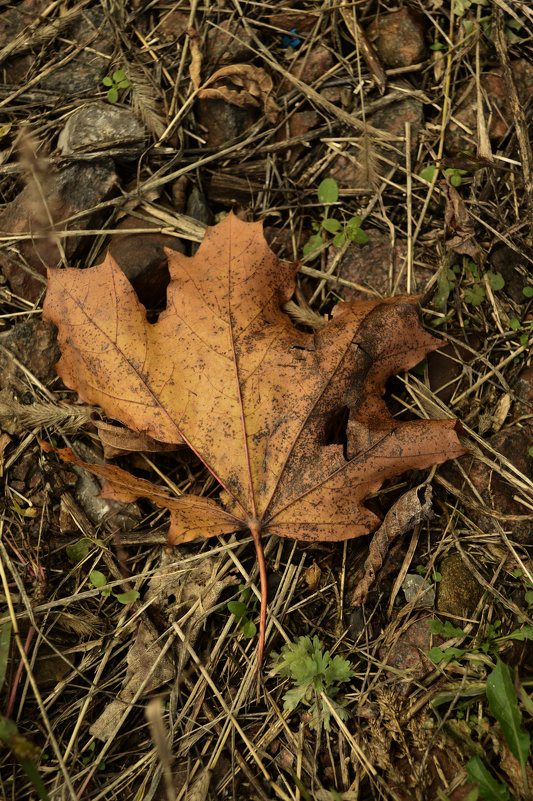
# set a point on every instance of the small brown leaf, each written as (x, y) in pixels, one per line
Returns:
(458, 223)
(195, 66)
(254, 88)
(117, 440)
(312, 576)
(408, 511)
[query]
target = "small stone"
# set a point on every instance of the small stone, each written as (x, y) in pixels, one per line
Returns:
(407, 654)
(357, 623)
(302, 122)
(197, 207)
(299, 125)
(179, 190)
(459, 591)
(333, 94)
(417, 587)
(143, 260)
(91, 32)
(312, 66)
(173, 25)
(498, 116)
(348, 171)
(34, 344)
(369, 265)
(223, 121)
(523, 75)
(392, 119)
(80, 187)
(302, 21)
(17, 68)
(524, 392)
(16, 18)
(399, 38)
(101, 125)
(227, 43)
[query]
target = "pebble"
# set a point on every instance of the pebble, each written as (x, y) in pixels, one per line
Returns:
(223, 121)
(311, 66)
(399, 38)
(459, 591)
(416, 586)
(227, 44)
(100, 125)
(77, 188)
(92, 33)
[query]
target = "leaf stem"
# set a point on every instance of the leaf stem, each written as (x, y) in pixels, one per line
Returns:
(255, 530)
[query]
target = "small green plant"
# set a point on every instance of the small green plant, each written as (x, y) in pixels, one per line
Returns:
(517, 573)
(453, 173)
(474, 292)
(503, 705)
(314, 673)
(488, 787)
(79, 550)
(328, 193)
(527, 332)
(242, 609)
(117, 81)
(511, 26)
(460, 7)
(99, 581)
(445, 284)
(488, 645)
(434, 576)
(91, 755)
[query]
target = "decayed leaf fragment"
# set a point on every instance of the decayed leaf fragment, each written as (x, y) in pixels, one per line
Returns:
(225, 370)
(254, 88)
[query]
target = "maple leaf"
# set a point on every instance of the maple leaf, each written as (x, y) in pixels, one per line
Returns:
(225, 371)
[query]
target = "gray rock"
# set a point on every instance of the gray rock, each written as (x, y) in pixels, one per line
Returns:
(415, 585)
(92, 33)
(80, 187)
(100, 124)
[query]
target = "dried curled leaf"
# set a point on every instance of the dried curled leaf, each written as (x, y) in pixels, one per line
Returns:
(253, 88)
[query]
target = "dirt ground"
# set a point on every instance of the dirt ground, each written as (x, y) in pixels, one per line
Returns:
(129, 127)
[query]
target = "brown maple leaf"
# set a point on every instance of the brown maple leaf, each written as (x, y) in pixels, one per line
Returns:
(225, 370)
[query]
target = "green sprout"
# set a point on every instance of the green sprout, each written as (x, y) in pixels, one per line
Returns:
(503, 704)
(453, 173)
(328, 193)
(117, 81)
(474, 293)
(241, 611)
(314, 674)
(489, 644)
(99, 581)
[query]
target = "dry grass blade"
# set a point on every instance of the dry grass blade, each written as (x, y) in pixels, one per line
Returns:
(145, 99)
